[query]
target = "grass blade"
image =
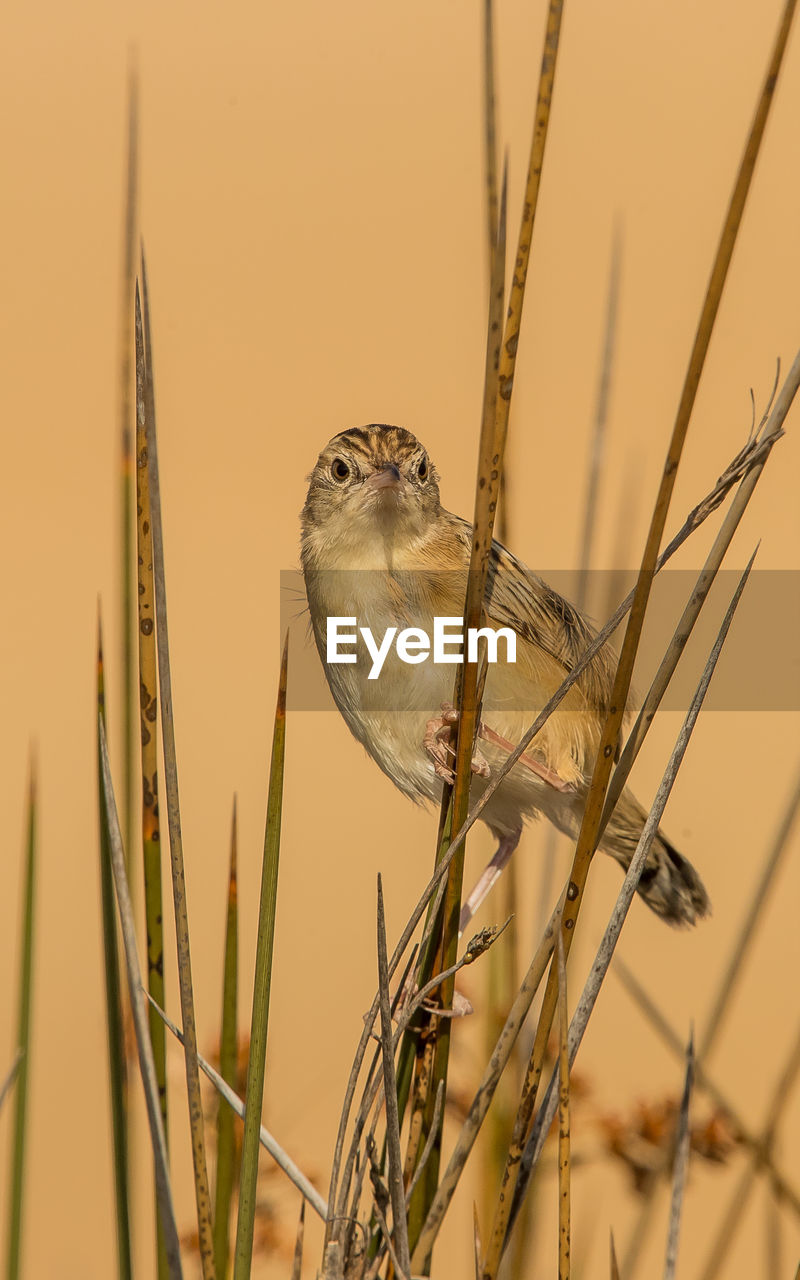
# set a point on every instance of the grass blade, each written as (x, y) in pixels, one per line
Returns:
(261, 989)
(390, 1094)
(136, 992)
(117, 1062)
(202, 1194)
(226, 1136)
(490, 129)
(432, 1061)
(265, 1137)
(127, 608)
(24, 1000)
(148, 735)
(680, 1168)
(564, 1162)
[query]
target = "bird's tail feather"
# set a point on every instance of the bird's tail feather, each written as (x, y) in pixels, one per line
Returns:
(669, 883)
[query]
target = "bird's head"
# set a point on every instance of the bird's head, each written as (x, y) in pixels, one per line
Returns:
(369, 483)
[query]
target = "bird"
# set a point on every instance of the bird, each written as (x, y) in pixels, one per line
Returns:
(379, 551)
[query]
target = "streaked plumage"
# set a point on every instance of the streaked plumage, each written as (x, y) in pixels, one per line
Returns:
(378, 545)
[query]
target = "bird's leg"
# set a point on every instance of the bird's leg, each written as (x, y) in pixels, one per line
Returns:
(489, 875)
(541, 770)
(437, 743)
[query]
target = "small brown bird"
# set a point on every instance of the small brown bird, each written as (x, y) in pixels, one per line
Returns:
(383, 558)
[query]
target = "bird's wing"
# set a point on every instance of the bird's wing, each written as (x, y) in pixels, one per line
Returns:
(516, 598)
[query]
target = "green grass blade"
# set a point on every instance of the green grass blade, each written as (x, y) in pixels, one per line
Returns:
(261, 989)
(148, 734)
(117, 1063)
(138, 1009)
(226, 1134)
(202, 1193)
(24, 997)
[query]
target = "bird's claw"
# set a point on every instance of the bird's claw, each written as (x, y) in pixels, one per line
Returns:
(437, 743)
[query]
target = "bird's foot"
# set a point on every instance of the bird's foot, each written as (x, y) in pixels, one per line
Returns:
(437, 742)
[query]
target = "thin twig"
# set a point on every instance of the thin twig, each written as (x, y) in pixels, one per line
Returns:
(267, 1140)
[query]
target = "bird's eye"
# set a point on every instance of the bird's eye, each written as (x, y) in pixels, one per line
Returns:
(422, 469)
(340, 470)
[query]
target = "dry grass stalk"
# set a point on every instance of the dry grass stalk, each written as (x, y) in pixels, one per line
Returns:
(202, 1193)
(564, 1165)
(127, 607)
(390, 1094)
(268, 1142)
(680, 1167)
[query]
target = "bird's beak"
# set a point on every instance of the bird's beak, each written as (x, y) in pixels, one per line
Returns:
(388, 477)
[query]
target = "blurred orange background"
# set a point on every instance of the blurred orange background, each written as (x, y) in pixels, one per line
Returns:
(313, 207)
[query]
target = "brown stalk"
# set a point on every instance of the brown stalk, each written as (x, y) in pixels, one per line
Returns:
(202, 1192)
(563, 1118)
(390, 1094)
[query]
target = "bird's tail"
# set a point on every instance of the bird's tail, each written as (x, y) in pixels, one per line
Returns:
(669, 883)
